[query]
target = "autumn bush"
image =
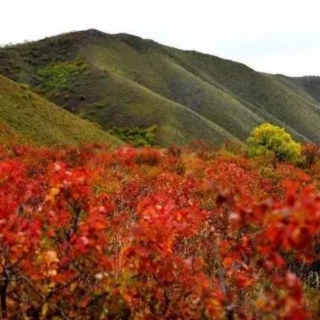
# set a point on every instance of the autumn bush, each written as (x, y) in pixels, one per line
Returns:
(88, 233)
(268, 138)
(309, 154)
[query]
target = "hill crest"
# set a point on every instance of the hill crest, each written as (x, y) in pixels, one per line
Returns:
(123, 80)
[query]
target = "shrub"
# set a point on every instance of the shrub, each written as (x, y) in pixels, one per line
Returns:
(90, 233)
(56, 76)
(135, 136)
(309, 153)
(148, 156)
(268, 138)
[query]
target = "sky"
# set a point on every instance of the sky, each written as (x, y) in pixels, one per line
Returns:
(274, 36)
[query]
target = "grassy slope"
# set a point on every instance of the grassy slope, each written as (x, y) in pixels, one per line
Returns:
(28, 116)
(130, 81)
(10, 136)
(309, 84)
(136, 105)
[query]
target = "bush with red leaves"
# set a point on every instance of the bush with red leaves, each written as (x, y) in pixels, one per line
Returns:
(148, 234)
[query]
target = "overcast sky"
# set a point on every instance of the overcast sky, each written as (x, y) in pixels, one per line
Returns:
(275, 36)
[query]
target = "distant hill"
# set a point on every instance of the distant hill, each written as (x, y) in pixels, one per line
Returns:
(123, 80)
(25, 116)
(309, 84)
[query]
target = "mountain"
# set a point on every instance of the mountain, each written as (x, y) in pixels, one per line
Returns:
(309, 84)
(25, 116)
(122, 80)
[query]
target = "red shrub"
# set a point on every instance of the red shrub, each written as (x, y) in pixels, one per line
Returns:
(90, 234)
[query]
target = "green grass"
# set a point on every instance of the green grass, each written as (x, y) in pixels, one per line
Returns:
(28, 116)
(131, 82)
(309, 84)
(125, 103)
(10, 136)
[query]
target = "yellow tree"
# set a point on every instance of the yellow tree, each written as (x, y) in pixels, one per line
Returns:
(268, 138)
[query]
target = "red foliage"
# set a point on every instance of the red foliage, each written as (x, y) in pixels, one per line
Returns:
(145, 234)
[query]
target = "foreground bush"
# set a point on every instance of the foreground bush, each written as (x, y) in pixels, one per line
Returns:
(148, 234)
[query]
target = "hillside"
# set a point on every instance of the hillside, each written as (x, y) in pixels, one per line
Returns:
(25, 116)
(309, 84)
(122, 80)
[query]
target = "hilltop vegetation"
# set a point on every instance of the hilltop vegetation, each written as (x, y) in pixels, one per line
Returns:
(124, 81)
(27, 117)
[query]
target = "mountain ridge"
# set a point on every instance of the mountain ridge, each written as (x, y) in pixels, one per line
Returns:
(124, 80)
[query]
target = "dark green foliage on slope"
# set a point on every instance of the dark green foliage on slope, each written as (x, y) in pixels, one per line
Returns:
(131, 82)
(135, 136)
(25, 116)
(58, 76)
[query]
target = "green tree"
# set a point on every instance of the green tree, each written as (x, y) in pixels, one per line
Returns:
(268, 138)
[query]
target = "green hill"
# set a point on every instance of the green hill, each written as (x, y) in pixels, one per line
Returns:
(25, 116)
(309, 84)
(122, 80)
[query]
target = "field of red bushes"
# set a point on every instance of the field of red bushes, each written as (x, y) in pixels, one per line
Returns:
(181, 233)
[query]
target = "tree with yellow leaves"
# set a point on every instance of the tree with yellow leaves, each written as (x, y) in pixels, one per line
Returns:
(268, 138)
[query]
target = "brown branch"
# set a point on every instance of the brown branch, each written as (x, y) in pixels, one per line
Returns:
(28, 281)
(3, 292)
